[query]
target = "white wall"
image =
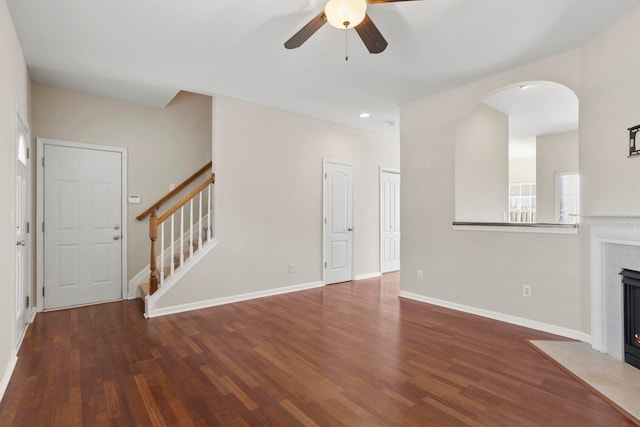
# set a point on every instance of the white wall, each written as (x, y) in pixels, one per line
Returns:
(556, 153)
(482, 166)
(268, 198)
(609, 104)
(480, 269)
(14, 87)
(165, 145)
(522, 170)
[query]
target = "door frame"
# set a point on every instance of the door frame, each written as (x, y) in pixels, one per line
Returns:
(383, 169)
(20, 121)
(324, 215)
(41, 142)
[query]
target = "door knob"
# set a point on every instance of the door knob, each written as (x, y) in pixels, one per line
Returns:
(117, 237)
(21, 243)
(349, 229)
(116, 227)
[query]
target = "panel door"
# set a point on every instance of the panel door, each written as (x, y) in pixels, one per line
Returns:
(338, 222)
(82, 226)
(390, 218)
(22, 303)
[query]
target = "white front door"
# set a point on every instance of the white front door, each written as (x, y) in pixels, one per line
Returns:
(23, 301)
(390, 221)
(338, 229)
(82, 226)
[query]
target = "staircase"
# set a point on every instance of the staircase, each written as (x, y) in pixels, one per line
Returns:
(185, 233)
(178, 259)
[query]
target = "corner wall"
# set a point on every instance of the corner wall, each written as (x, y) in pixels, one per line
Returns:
(555, 153)
(268, 198)
(14, 88)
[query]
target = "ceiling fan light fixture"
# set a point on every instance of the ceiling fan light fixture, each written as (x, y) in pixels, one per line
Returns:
(345, 13)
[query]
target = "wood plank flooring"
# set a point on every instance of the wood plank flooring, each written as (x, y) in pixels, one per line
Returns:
(352, 354)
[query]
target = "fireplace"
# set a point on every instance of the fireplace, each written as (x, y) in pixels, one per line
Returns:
(631, 292)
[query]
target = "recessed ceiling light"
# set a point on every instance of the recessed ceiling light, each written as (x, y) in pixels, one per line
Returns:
(365, 115)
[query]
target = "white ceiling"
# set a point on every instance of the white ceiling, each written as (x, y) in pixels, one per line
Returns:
(146, 50)
(535, 109)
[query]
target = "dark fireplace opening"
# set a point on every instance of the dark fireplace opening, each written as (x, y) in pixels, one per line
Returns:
(631, 292)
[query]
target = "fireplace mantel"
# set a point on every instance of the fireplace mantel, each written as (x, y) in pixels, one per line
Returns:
(603, 230)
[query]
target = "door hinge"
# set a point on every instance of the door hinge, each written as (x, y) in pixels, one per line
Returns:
(325, 264)
(43, 226)
(28, 152)
(325, 175)
(27, 306)
(42, 290)
(28, 227)
(43, 162)
(325, 220)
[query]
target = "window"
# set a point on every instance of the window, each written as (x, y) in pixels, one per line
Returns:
(22, 150)
(567, 197)
(522, 202)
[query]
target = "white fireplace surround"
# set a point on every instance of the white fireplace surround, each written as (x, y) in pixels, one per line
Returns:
(607, 230)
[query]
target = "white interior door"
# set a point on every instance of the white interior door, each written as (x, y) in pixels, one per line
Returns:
(390, 221)
(82, 226)
(23, 301)
(338, 229)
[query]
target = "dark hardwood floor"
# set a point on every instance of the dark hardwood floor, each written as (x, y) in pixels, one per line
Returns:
(352, 354)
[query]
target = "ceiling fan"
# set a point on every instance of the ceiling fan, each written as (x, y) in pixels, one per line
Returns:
(345, 14)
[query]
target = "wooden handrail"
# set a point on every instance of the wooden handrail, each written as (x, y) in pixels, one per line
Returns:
(175, 191)
(185, 199)
(155, 221)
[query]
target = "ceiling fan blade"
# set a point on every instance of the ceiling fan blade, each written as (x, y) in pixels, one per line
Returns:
(387, 1)
(305, 32)
(371, 36)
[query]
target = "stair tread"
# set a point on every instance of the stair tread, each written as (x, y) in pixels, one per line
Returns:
(144, 288)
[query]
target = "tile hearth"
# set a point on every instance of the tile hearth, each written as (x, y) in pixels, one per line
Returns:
(616, 381)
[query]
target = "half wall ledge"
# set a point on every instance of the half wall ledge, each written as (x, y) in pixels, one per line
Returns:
(511, 227)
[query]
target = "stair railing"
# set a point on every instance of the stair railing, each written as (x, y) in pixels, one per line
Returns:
(173, 192)
(157, 226)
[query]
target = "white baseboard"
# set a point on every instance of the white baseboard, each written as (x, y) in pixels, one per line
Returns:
(163, 311)
(368, 276)
(520, 321)
(4, 382)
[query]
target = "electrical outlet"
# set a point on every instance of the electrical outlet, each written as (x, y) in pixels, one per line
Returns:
(290, 268)
(420, 275)
(526, 290)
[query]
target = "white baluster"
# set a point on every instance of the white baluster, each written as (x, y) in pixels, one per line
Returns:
(161, 254)
(172, 253)
(191, 227)
(209, 232)
(181, 235)
(200, 221)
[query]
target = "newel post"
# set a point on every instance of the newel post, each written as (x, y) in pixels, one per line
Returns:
(153, 235)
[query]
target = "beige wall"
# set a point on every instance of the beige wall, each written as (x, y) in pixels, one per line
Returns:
(555, 153)
(165, 145)
(482, 166)
(14, 90)
(480, 269)
(268, 194)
